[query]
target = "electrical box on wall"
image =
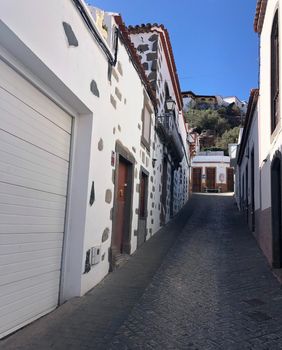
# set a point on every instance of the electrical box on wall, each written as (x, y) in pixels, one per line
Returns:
(95, 255)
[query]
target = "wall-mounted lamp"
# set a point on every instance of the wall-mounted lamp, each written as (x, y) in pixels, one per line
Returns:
(170, 104)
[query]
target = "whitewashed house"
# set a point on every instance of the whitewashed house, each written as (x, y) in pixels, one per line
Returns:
(173, 161)
(211, 172)
(260, 180)
(81, 164)
(247, 172)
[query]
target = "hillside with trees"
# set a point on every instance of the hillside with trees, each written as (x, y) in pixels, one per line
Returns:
(216, 127)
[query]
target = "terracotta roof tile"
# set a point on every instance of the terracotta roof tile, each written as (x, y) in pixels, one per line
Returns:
(259, 16)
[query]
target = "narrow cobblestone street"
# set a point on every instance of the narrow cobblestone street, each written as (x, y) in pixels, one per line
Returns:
(201, 283)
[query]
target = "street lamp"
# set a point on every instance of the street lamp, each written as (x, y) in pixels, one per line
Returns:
(170, 104)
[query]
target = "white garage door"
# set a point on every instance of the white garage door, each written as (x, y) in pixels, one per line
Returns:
(34, 161)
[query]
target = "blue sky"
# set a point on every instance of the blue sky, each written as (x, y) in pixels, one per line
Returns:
(214, 45)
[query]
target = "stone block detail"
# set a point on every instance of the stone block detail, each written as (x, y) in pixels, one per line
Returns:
(134, 149)
(118, 94)
(115, 75)
(135, 173)
(137, 188)
(94, 88)
(105, 234)
(72, 40)
(119, 68)
(152, 76)
(154, 66)
(119, 128)
(139, 126)
(145, 66)
(143, 47)
(153, 37)
(155, 46)
(137, 211)
(111, 214)
(100, 145)
(108, 196)
(113, 101)
(151, 56)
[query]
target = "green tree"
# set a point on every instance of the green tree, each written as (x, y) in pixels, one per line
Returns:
(207, 119)
(229, 136)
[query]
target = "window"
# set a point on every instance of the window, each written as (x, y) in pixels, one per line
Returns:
(146, 128)
(275, 110)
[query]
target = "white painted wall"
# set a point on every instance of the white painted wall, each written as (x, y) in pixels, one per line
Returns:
(73, 69)
(252, 144)
(268, 144)
(181, 186)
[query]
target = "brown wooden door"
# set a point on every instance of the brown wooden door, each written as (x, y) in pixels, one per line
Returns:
(142, 210)
(210, 178)
(230, 179)
(164, 192)
(197, 179)
(122, 193)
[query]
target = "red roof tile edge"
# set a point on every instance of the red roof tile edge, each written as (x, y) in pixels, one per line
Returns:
(259, 16)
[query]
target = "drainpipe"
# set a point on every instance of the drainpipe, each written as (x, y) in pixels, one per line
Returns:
(89, 23)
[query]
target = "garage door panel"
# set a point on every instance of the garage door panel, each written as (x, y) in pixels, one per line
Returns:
(38, 307)
(28, 273)
(11, 145)
(26, 285)
(26, 294)
(27, 160)
(31, 211)
(32, 238)
(12, 122)
(24, 91)
(23, 229)
(54, 262)
(15, 258)
(28, 117)
(19, 177)
(21, 196)
(9, 163)
(31, 220)
(29, 247)
(35, 137)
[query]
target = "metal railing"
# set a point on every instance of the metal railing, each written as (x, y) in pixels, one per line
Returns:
(169, 135)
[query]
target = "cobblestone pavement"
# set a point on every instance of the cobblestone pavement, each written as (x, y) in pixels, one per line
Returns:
(201, 283)
(214, 290)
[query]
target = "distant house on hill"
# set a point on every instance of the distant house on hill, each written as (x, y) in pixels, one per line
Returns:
(192, 100)
(211, 172)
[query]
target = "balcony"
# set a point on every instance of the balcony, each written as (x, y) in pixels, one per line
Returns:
(169, 135)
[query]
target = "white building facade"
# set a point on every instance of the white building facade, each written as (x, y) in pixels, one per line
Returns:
(211, 172)
(81, 163)
(260, 150)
